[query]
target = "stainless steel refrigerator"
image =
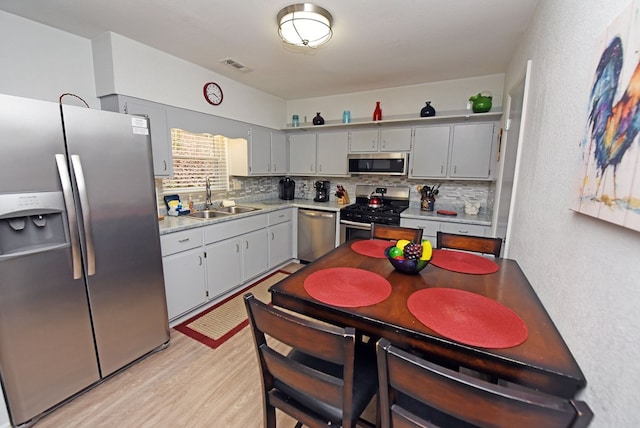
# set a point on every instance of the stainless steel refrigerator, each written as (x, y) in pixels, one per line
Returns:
(81, 282)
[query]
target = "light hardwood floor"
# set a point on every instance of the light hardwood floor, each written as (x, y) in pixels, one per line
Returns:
(186, 385)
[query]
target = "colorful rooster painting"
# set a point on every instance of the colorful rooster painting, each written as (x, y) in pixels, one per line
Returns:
(613, 126)
(608, 181)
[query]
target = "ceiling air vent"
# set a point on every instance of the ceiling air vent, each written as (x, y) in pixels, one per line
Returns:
(235, 64)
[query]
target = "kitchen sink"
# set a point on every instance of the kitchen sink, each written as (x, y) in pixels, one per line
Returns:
(207, 214)
(235, 209)
(221, 212)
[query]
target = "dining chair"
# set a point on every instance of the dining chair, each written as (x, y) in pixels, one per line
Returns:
(326, 379)
(478, 244)
(418, 393)
(385, 231)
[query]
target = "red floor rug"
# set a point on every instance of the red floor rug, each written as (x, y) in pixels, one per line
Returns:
(221, 322)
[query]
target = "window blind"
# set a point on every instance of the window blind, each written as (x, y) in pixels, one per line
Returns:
(196, 157)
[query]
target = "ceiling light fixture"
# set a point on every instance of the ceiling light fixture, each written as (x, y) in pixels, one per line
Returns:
(305, 24)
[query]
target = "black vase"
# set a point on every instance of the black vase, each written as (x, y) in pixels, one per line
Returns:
(318, 120)
(428, 110)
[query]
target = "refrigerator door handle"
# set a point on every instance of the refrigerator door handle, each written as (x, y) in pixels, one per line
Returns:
(86, 213)
(70, 206)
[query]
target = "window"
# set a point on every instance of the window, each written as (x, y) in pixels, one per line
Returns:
(196, 157)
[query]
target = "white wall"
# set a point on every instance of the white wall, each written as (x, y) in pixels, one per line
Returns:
(43, 63)
(450, 95)
(585, 271)
(147, 73)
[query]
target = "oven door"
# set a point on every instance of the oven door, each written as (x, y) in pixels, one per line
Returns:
(353, 229)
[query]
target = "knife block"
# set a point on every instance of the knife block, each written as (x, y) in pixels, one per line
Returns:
(344, 200)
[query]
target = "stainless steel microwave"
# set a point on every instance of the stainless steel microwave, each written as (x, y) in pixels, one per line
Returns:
(378, 163)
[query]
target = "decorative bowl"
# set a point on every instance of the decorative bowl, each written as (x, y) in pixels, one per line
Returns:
(411, 267)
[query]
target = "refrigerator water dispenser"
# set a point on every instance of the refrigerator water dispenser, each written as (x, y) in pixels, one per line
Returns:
(31, 223)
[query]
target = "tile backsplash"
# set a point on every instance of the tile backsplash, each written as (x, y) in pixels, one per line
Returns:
(452, 194)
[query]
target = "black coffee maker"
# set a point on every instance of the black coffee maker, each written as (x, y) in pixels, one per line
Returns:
(322, 191)
(287, 189)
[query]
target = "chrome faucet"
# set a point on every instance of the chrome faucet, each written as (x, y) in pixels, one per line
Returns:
(207, 202)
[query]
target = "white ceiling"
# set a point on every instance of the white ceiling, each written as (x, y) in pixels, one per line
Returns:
(376, 43)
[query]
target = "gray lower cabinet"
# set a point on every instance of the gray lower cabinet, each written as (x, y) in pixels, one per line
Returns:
(280, 236)
(237, 251)
(466, 229)
(432, 227)
(184, 271)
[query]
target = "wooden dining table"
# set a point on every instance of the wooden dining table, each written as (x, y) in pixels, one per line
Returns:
(543, 361)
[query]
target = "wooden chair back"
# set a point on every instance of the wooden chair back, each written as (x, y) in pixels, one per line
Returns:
(478, 244)
(314, 383)
(385, 231)
(418, 393)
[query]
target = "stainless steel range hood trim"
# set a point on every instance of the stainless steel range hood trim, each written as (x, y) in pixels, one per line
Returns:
(379, 157)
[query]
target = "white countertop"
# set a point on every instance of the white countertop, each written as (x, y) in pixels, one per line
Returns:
(482, 218)
(172, 224)
(175, 224)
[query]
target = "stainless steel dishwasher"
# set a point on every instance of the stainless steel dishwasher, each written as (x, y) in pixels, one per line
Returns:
(316, 233)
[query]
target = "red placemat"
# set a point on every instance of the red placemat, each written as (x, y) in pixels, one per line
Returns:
(347, 287)
(468, 318)
(459, 261)
(371, 247)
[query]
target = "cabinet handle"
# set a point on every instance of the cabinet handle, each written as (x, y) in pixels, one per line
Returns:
(320, 168)
(441, 169)
(273, 236)
(465, 232)
(455, 169)
(237, 248)
(165, 164)
(200, 264)
(246, 245)
(183, 240)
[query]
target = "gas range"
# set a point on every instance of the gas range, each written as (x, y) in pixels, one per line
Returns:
(395, 199)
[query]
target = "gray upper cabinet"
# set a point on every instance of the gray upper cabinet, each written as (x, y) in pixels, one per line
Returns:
(430, 155)
(380, 140)
(459, 151)
(278, 153)
(332, 154)
(363, 141)
(159, 128)
(259, 151)
(395, 139)
(302, 154)
(471, 151)
(263, 153)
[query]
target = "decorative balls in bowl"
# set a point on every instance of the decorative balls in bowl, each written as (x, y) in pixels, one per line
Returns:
(409, 257)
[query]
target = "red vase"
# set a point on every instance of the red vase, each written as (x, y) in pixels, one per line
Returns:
(377, 113)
